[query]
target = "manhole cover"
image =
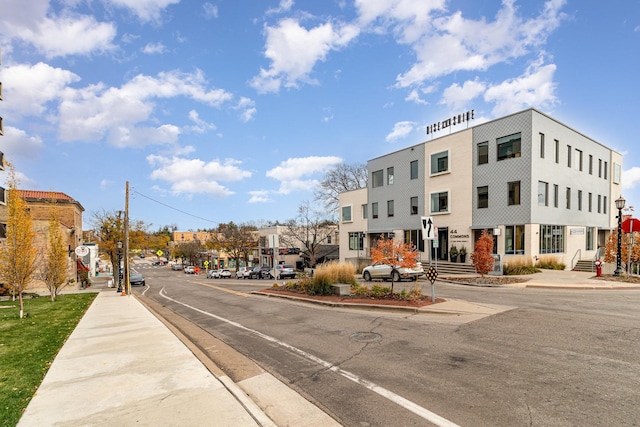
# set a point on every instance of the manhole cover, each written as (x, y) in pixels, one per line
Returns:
(365, 337)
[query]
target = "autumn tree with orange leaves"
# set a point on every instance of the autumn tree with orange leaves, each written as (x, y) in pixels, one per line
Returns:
(611, 248)
(481, 256)
(393, 253)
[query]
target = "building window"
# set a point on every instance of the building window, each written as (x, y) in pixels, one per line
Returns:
(579, 159)
(440, 202)
(509, 146)
(556, 195)
(390, 208)
(414, 205)
(599, 168)
(604, 205)
(606, 168)
(569, 154)
(346, 214)
(590, 238)
(543, 193)
(414, 239)
(579, 200)
(414, 169)
(568, 197)
(3, 196)
(617, 173)
(551, 239)
(377, 179)
(599, 203)
(440, 162)
(483, 197)
(590, 164)
(557, 151)
(374, 210)
(590, 202)
(483, 153)
(542, 145)
(514, 193)
(3, 230)
(390, 176)
(364, 212)
(356, 241)
(514, 239)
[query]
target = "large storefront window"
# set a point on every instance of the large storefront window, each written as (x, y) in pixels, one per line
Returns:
(414, 239)
(551, 239)
(514, 239)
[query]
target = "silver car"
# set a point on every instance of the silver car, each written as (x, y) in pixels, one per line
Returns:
(394, 273)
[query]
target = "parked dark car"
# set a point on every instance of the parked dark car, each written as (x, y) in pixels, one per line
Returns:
(136, 279)
(260, 273)
(285, 271)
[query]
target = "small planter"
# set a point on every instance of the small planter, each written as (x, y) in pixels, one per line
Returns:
(463, 258)
(453, 258)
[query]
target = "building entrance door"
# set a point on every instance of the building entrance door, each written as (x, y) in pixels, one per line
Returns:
(441, 252)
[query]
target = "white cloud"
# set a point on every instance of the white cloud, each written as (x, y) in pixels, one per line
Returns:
(145, 10)
(447, 43)
(30, 87)
(283, 6)
(200, 126)
(17, 143)
(294, 51)
(154, 48)
(291, 171)
(64, 35)
(106, 183)
(457, 96)
(247, 109)
(210, 10)
(93, 112)
(259, 196)
(631, 178)
(535, 88)
(195, 176)
(400, 130)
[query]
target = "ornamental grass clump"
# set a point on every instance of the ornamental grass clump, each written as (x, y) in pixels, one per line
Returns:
(549, 262)
(519, 266)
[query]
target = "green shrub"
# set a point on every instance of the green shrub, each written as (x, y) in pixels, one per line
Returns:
(380, 291)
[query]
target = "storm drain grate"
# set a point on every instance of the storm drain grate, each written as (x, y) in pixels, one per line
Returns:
(365, 337)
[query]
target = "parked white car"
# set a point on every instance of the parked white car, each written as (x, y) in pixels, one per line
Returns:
(243, 272)
(388, 272)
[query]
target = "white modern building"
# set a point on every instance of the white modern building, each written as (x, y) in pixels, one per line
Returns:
(535, 184)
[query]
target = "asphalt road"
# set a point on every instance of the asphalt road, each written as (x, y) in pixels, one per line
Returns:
(561, 358)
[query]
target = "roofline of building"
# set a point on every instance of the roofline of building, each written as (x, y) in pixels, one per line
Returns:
(495, 120)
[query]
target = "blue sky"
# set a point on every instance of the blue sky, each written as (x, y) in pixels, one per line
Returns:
(232, 110)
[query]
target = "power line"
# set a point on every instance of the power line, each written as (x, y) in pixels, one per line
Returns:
(175, 209)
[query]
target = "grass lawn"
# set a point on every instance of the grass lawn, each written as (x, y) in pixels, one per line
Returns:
(28, 346)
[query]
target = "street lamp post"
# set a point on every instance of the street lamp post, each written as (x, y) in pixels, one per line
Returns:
(619, 205)
(119, 267)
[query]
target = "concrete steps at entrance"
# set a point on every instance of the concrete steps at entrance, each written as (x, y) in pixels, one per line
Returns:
(585, 265)
(446, 267)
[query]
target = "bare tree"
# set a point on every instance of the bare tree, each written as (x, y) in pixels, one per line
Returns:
(340, 178)
(309, 230)
(236, 240)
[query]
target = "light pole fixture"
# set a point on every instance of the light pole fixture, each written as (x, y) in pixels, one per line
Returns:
(119, 245)
(619, 205)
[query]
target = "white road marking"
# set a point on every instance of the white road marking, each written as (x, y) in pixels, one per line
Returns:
(388, 394)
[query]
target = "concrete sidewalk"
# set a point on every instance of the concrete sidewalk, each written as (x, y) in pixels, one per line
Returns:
(122, 366)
